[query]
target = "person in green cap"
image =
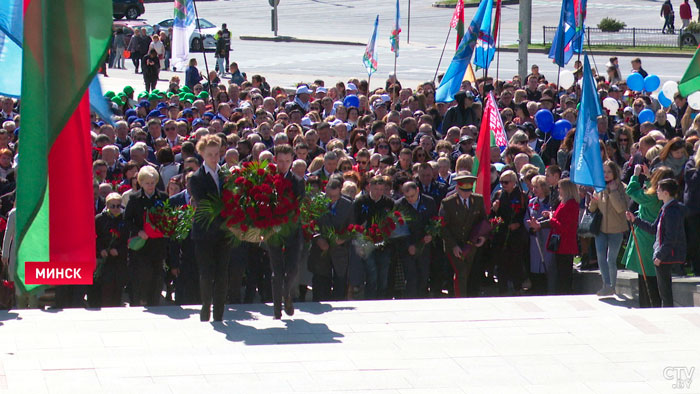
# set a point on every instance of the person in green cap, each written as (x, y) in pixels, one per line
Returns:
(117, 100)
(129, 92)
(203, 95)
(109, 94)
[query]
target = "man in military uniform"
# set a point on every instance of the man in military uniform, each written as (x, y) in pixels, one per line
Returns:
(464, 214)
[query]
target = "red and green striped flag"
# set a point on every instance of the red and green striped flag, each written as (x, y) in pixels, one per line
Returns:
(64, 44)
(491, 135)
(458, 21)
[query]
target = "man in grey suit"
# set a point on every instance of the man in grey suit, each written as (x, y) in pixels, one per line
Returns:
(329, 262)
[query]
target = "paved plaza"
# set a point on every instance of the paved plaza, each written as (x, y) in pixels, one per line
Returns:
(575, 344)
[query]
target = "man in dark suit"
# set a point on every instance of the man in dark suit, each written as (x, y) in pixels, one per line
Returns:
(462, 211)
(428, 185)
(330, 166)
(284, 261)
(212, 247)
(414, 250)
(329, 262)
(182, 261)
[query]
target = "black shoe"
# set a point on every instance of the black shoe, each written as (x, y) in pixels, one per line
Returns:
(205, 313)
(277, 311)
(288, 306)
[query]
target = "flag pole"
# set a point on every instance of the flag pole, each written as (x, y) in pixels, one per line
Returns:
(558, 73)
(641, 263)
(204, 50)
(408, 33)
(441, 54)
(395, 58)
(498, 51)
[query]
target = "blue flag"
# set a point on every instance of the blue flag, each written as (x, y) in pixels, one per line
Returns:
(568, 38)
(395, 33)
(452, 80)
(587, 162)
(98, 103)
(369, 59)
(485, 49)
(11, 26)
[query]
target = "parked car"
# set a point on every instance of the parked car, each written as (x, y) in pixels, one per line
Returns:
(131, 9)
(688, 39)
(129, 26)
(197, 41)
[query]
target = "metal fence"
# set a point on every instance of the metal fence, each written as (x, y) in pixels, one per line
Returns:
(633, 37)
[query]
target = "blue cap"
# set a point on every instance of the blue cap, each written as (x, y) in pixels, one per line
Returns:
(181, 119)
(130, 112)
(153, 114)
(144, 103)
(187, 112)
(140, 120)
(197, 122)
(209, 114)
(161, 105)
(131, 119)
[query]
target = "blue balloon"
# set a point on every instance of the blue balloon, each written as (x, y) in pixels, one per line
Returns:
(663, 100)
(646, 115)
(560, 129)
(544, 120)
(635, 81)
(651, 83)
(351, 101)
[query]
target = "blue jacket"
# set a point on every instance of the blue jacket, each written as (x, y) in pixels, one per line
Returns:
(691, 194)
(669, 244)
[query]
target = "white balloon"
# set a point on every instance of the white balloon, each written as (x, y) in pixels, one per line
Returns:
(611, 105)
(671, 120)
(694, 101)
(566, 79)
(669, 88)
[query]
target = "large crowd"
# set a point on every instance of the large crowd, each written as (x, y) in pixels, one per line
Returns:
(379, 150)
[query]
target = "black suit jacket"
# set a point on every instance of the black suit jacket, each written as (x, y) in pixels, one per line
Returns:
(180, 251)
(204, 188)
(417, 219)
(338, 219)
(139, 203)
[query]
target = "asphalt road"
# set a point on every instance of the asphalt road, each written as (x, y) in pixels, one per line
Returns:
(351, 20)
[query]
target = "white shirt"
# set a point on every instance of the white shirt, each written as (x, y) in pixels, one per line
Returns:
(214, 173)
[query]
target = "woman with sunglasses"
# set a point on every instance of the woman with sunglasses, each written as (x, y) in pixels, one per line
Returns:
(111, 272)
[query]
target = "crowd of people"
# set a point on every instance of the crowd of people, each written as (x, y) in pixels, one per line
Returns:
(377, 150)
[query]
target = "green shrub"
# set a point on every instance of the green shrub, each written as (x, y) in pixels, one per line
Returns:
(611, 25)
(693, 27)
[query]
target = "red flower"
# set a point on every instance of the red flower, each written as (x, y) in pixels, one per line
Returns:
(272, 167)
(261, 171)
(244, 228)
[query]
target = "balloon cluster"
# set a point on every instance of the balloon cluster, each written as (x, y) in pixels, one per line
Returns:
(545, 122)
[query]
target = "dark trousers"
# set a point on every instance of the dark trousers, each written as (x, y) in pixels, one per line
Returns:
(692, 233)
(565, 268)
(136, 58)
(213, 258)
(462, 268)
(187, 284)
(416, 269)
(663, 279)
(258, 274)
(236, 269)
(150, 84)
(439, 268)
(228, 51)
(149, 279)
(284, 262)
(651, 298)
(70, 296)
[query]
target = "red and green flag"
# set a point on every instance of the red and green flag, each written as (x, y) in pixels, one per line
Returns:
(690, 83)
(458, 21)
(491, 134)
(65, 42)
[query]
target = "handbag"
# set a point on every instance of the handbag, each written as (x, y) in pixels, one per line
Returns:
(553, 243)
(590, 224)
(127, 54)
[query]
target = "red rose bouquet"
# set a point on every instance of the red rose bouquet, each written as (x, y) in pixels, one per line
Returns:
(434, 229)
(313, 206)
(165, 221)
(257, 204)
(378, 231)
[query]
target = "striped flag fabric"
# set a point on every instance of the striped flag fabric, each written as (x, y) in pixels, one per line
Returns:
(65, 42)
(484, 39)
(395, 33)
(568, 38)
(458, 21)
(183, 27)
(492, 133)
(369, 59)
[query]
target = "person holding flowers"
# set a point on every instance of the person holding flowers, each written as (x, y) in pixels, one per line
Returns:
(330, 252)
(541, 259)
(211, 245)
(414, 251)
(464, 214)
(111, 272)
(147, 262)
(284, 257)
(369, 208)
